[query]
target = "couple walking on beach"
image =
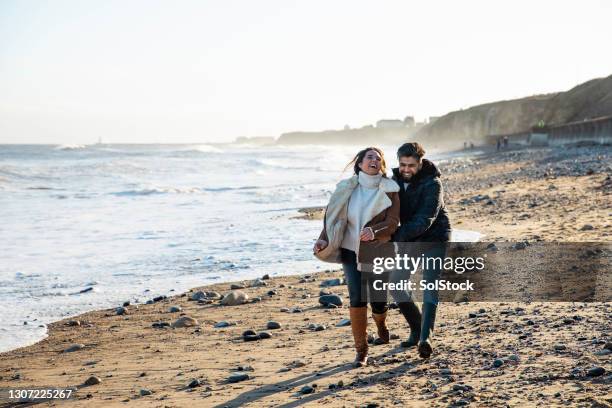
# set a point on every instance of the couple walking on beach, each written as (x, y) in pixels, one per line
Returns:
(368, 210)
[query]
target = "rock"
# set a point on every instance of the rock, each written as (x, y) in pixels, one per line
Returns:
(519, 245)
(185, 321)
(307, 389)
(330, 299)
(587, 227)
(245, 368)
(343, 323)
(319, 327)
(86, 290)
(74, 347)
(126, 303)
(199, 295)
(234, 298)
(264, 335)
(284, 309)
(608, 346)
(213, 295)
(174, 309)
(73, 323)
(159, 298)
(265, 277)
(222, 324)
(256, 299)
(235, 286)
(194, 383)
(144, 392)
(248, 333)
(560, 347)
(296, 310)
(93, 380)
(332, 282)
(251, 337)
(159, 325)
(237, 377)
(257, 283)
(120, 311)
(596, 371)
(271, 325)
(272, 292)
(498, 362)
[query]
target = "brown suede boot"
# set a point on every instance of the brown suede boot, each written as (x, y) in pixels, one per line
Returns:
(359, 326)
(381, 325)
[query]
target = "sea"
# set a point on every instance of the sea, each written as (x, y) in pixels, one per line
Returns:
(86, 227)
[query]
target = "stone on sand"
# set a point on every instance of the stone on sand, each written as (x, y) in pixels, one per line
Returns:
(93, 380)
(234, 298)
(185, 321)
(330, 300)
(74, 347)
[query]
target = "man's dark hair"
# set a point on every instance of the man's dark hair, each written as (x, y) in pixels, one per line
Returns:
(412, 149)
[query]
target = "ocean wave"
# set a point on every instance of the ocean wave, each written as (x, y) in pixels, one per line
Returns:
(157, 190)
(70, 147)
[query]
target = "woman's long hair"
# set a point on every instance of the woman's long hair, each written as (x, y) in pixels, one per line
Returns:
(359, 158)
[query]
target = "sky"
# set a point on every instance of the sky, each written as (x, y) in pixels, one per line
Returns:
(151, 71)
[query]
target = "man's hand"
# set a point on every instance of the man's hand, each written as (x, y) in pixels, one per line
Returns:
(320, 245)
(366, 234)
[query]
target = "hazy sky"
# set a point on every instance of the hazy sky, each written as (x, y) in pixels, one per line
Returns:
(197, 71)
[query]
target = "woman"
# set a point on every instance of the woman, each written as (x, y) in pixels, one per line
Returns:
(363, 211)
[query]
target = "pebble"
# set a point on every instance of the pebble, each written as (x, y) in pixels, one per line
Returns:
(144, 392)
(265, 277)
(248, 333)
(264, 335)
(185, 321)
(307, 389)
(587, 227)
(222, 324)
(596, 371)
(93, 380)
(74, 347)
(251, 337)
(235, 286)
(159, 325)
(174, 309)
(199, 295)
(271, 325)
(73, 323)
(332, 282)
(194, 383)
(498, 362)
(560, 347)
(234, 298)
(120, 311)
(330, 299)
(343, 323)
(237, 377)
(257, 283)
(126, 303)
(284, 309)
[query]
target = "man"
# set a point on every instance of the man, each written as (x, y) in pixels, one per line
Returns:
(423, 218)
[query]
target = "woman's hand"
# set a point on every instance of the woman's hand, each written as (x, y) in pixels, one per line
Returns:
(320, 245)
(366, 234)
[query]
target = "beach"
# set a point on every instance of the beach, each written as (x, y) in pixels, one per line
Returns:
(190, 349)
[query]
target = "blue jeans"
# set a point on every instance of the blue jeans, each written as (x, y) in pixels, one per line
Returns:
(430, 275)
(360, 284)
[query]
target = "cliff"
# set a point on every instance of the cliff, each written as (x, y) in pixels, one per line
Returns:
(588, 100)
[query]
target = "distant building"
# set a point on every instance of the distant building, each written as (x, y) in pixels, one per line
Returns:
(409, 121)
(390, 124)
(432, 119)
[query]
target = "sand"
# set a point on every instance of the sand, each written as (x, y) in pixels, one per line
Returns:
(486, 354)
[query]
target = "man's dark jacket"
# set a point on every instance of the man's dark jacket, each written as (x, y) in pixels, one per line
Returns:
(423, 216)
